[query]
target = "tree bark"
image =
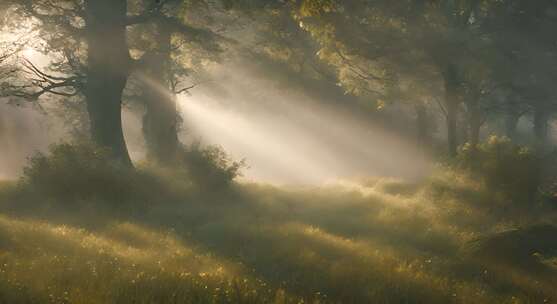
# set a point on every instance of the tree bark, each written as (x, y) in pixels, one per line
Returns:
(160, 121)
(107, 73)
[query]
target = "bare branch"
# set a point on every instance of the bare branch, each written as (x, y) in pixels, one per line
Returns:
(40, 83)
(188, 88)
(357, 70)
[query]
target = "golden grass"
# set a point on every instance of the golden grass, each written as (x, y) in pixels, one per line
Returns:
(376, 241)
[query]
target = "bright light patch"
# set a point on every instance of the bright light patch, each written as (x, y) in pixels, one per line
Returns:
(30, 53)
(290, 141)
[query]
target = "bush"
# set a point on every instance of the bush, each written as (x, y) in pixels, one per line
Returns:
(210, 167)
(72, 172)
(504, 166)
(80, 171)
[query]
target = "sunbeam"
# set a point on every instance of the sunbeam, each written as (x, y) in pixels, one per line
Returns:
(271, 130)
(292, 151)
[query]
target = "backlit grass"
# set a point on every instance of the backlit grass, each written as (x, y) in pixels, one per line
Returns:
(372, 241)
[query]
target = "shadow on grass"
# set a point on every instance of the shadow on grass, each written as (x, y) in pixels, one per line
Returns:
(347, 243)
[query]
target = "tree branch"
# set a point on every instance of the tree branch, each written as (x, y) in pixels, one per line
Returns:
(41, 83)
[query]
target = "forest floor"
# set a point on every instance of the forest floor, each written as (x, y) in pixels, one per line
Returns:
(372, 241)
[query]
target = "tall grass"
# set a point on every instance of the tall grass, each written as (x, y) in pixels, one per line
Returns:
(367, 241)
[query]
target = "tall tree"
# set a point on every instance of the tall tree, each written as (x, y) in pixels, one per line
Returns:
(108, 68)
(86, 42)
(523, 33)
(165, 37)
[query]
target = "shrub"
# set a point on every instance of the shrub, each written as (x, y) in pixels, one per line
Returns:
(80, 171)
(504, 166)
(210, 167)
(72, 172)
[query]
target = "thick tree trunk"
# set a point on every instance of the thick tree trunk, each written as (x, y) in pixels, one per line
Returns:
(451, 104)
(107, 73)
(160, 122)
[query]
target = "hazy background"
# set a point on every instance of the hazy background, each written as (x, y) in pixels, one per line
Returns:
(284, 134)
(22, 131)
(287, 136)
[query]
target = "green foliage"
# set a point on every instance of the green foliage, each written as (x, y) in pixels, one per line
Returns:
(504, 166)
(317, 7)
(78, 171)
(74, 172)
(210, 167)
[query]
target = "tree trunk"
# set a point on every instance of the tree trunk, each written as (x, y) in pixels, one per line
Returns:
(452, 126)
(422, 128)
(107, 73)
(421, 124)
(512, 117)
(474, 123)
(462, 133)
(475, 128)
(541, 127)
(451, 104)
(511, 122)
(160, 122)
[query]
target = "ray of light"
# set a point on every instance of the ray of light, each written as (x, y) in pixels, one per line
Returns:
(290, 143)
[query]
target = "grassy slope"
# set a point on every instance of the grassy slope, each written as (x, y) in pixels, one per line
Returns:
(375, 241)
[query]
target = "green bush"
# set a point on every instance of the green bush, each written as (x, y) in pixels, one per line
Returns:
(210, 167)
(72, 171)
(504, 166)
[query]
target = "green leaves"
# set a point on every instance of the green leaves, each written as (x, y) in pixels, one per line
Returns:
(310, 8)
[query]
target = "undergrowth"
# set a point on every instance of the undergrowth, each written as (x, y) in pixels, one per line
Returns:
(367, 241)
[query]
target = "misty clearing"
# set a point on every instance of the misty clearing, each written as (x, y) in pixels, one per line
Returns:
(293, 151)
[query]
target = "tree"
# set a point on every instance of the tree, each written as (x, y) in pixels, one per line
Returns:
(88, 45)
(372, 43)
(162, 37)
(523, 33)
(108, 68)
(90, 58)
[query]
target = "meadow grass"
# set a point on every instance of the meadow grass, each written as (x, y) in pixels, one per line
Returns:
(365, 241)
